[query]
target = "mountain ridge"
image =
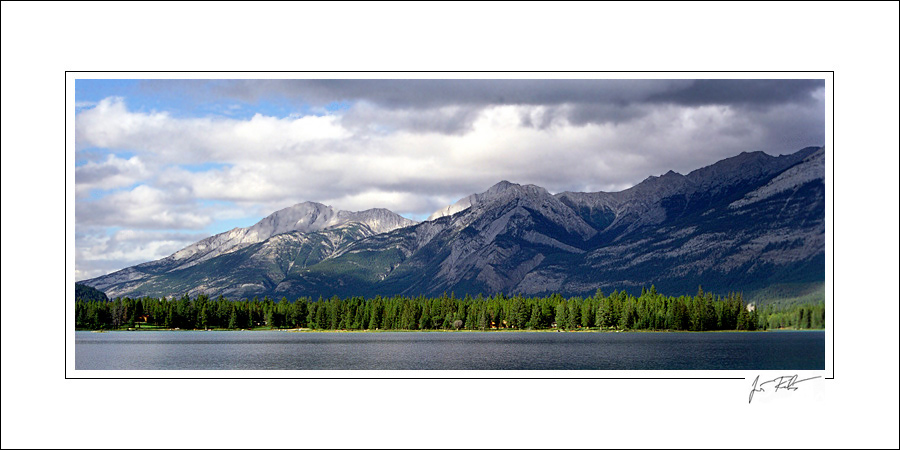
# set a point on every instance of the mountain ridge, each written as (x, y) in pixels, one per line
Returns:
(740, 223)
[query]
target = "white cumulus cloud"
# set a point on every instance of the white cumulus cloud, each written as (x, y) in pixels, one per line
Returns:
(114, 172)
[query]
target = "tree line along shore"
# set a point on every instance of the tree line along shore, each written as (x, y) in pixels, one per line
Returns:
(619, 310)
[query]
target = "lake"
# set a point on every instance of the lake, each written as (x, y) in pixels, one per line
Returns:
(279, 350)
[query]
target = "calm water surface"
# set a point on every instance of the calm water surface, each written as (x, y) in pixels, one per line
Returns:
(783, 350)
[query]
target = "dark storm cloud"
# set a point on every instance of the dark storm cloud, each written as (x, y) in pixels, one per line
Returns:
(582, 114)
(741, 92)
(405, 94)
(414, 94)
(450, 106)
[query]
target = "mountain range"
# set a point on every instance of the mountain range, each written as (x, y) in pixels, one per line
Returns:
(746, 223)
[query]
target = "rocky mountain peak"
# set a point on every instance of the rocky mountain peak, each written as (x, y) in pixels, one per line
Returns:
(505, 190)
(379, 220)
(306, 216)
(502, 191)
(501, 186)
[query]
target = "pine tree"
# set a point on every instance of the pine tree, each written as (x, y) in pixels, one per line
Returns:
(561, 320)
(535, 320)
(203, 318)
(233, 319)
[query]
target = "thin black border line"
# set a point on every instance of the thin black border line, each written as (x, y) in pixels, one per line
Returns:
(832, 226)
(448, 71)
(65, 312)
(399, 378)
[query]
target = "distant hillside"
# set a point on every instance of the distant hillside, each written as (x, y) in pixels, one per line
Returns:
(84, 292)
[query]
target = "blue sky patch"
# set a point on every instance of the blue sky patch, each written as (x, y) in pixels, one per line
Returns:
(192, 99)
(205, 167)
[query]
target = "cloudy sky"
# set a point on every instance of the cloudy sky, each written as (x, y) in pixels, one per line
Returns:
(160, 164)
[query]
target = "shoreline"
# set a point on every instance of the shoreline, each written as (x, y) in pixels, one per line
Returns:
(310, 330)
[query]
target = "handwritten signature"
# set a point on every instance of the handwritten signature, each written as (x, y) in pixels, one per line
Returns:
(785, 382)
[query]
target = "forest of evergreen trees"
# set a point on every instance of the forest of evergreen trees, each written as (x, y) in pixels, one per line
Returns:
(619, 310)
